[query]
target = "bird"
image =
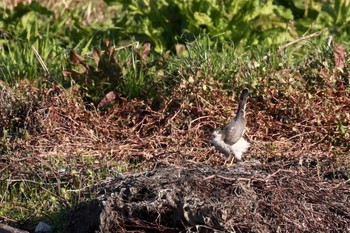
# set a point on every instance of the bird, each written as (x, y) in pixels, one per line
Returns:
(229, 139)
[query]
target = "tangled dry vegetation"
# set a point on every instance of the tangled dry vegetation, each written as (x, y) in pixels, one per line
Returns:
(299, 132)
(295, 127)
(199, 198)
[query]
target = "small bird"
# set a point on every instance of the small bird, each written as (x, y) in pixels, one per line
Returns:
(229, 139)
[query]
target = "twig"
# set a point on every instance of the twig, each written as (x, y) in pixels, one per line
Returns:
(222, 177)
(197, 119)
(315, 34)
(38, 57)
(278, 171)
(136, 44)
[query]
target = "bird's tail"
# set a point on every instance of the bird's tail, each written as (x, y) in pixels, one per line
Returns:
(243, 101)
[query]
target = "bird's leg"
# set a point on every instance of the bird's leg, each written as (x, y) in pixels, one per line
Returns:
(231, 163)
(230, 160)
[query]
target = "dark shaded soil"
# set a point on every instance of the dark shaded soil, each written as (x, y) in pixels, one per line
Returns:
(249, 197)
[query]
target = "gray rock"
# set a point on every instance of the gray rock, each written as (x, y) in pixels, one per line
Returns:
(43, 227)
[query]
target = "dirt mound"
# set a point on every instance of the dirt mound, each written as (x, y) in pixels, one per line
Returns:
(249, 197)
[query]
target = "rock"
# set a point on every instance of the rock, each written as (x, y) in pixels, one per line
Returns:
(42, 227)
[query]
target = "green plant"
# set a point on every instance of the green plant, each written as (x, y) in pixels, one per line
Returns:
(243, 22)
(52, 33)
(126, 71)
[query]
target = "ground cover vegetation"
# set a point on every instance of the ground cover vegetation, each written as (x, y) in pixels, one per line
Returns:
(136, 83)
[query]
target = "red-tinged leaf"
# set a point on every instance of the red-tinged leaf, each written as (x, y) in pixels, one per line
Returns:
(111, 53)
(75, 58)
(146, 49)
(96, 54)
(109, 97)
(66, 73)
(106, 42)
(340, 56)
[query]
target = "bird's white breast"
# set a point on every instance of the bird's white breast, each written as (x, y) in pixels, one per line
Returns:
(219, 144)
(240, 147)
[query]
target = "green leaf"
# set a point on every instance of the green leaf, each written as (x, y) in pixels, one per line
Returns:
(86, 47)
(202, 19)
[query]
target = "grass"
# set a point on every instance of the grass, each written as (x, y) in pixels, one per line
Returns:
(34, 187)
(67, 149)
(60, 146)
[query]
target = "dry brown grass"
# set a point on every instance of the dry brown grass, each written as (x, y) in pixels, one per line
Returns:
(280, 127)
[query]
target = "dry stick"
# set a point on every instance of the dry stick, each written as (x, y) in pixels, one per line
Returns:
(278, 171)
(37, 55)
(219, 176)
(300, 39)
